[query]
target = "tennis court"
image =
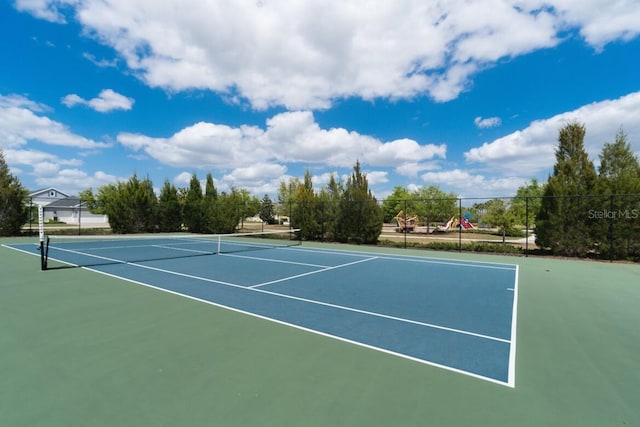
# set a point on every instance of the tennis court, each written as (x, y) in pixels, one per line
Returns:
(82, 347)
(456, 315)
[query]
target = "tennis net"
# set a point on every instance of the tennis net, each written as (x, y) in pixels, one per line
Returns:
(86, 251)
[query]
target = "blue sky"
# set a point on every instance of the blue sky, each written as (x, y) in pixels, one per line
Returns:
(466, 95)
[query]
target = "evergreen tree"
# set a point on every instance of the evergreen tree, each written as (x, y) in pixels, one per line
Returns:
(109, 201)
(210, 206)
(305, 210)
(267, 211)
(619, 171)
(563, 224)
(228, 214)
(130, 206)
(142, 202)
(360, 217)
(618, 215)
(14, 213)
(169, 209)
(193, 215)
(329, 199)
(285, 196)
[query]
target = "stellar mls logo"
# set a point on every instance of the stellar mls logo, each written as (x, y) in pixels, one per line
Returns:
(614, 214)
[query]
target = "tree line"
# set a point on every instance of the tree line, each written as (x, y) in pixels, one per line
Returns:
(352, 213)
(579, 211)
(133, 207)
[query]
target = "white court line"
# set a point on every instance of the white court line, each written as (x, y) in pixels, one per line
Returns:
(312, 272)
(511, 376)
(183, 249)
(511, 369)
(274, 260)
(410, 258)
(322, 303)
(303, 328)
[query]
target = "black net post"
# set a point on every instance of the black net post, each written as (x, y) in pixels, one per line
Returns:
(44, 253)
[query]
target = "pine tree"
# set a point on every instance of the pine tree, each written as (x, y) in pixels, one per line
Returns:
(193, 216)
(131, 206)
(563, 224)
(169, 209)
(267, 211)
(305, 209)
(329, 199)
(210, 208)
(618, 232)
(14, 213)
(142, 202)
(360, 217)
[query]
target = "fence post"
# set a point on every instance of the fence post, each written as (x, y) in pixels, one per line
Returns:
(459, 225)
(611, 226)
(30, 216)
(526, 227)
(80, 217)
(405, 223)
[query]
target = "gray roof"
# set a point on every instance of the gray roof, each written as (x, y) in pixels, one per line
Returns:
(69, 202)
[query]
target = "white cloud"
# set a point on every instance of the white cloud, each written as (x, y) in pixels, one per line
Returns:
(102, 63)
(19, 101)
(324, 178)
(377, 177)
(250, 175)
(490, 122)
(76, 180)
(106, 101)
(288, 137)
(531, 150)
(49, 170)
(182, 179)
(304, 54)
(601, 22)
(467, 184)
(412, 169)
(44, 9)
(34, 157)
(19, 124)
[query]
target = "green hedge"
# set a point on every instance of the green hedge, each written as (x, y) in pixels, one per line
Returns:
(453, 246)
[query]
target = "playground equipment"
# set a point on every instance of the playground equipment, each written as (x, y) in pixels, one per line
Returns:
(404, 222)
(454, 223)
(466, 224)
(447, 225)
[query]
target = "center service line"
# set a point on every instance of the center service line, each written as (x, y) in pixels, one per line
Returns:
(312, 272)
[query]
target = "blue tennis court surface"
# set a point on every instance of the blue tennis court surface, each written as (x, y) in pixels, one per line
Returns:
(457, 315)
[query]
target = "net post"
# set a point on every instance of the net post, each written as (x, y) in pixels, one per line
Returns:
(43, 249)
(44, 254)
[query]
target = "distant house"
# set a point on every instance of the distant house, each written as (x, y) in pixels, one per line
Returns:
(60, 206)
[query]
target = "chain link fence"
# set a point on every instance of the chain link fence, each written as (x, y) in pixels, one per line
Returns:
(588, 226)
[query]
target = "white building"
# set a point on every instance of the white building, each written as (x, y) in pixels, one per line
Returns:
(60, 206)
